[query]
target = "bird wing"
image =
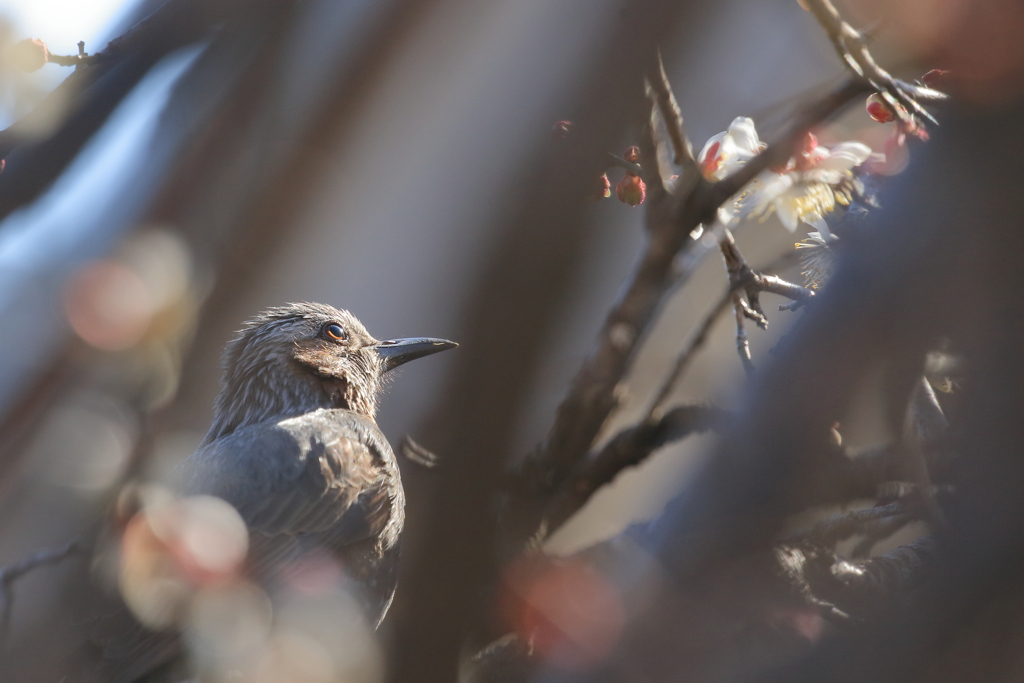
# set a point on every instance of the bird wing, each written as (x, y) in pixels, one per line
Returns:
(329, 473)
(328, 470)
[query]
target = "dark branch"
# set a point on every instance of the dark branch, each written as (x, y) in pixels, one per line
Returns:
(630, 166)
(870, 588)
(850, 44)
(829, 531)
(628, 448)
(11, 573)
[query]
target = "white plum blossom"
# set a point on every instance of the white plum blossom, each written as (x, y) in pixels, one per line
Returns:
(727, 151)
(809, 187)
(806, 189)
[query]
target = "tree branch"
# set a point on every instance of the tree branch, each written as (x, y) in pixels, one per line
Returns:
(742, 276)
(660, 92)
(670, 219)
(833, 529)
(628, 448)
(13, 572)
(742, 343)
(869, 588)
(849, 43)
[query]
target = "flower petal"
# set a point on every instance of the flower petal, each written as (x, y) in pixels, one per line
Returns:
(770, 188)
(844, 156)
(824, 233)
(787, 213)
(708, 145)
(743, 132)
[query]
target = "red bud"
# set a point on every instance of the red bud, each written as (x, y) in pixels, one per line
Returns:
(632, 154)
(631, 190)
(878, 110)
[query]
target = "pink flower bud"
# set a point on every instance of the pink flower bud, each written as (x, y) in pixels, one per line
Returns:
(560, 130)
(632, 154)
(878, 110)
(631, 190)
(29, 54)
(602, 188)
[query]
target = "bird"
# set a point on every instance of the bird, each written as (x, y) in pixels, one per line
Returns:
(294, 448)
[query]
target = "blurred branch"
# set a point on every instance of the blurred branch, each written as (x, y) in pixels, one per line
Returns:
(867, 589)
(628, 448)
(833, 529)
(630, 166)
(686, 356)
(508, 659)
(85, 99)
(417, 453)
(13, 572)
(518, 290)
(79, 60)
(699, 338)
(877, 531)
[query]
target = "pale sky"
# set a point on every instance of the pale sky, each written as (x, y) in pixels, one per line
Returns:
(62, 23)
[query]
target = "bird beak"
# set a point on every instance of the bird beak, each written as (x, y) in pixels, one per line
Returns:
(397, 352)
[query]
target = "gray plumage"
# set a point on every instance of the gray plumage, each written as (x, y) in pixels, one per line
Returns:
(293, 446)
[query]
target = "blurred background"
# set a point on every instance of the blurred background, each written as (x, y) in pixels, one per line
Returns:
(372, 156)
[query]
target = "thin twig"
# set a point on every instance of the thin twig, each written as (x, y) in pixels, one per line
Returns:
(628, 448)
(742, 343)
(665, 100)
(11, 573)
(742, 276)
(686, 356)
(630, 166)
(699, 338)
(418, 454)
(877, 531)
(851, 47)
(833, 529)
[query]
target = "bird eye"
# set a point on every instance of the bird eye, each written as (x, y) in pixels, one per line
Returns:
(336, 332)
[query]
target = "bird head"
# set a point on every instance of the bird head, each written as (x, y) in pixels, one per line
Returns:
(293, 359)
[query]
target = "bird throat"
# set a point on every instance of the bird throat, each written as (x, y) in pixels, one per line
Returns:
(273, 396)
